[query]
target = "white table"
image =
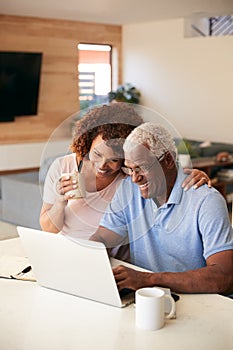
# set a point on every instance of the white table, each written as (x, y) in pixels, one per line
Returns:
(36, 318)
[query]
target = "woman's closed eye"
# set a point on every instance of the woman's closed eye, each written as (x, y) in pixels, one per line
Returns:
(97, 155)
(113, 160)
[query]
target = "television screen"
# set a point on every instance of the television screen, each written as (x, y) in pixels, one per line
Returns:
(19, 84)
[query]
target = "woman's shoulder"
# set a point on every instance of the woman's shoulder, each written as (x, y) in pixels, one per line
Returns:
(66, 163)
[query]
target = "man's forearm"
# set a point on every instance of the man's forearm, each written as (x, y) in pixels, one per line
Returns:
(209, 279)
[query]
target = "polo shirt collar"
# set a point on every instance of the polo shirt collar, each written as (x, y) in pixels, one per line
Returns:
(177, 191)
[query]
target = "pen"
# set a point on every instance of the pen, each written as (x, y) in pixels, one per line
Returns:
(27, 269)
(19, 274)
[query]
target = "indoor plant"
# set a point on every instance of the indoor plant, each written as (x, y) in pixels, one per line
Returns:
(125, 93)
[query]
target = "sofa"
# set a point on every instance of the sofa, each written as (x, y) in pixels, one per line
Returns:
(21, 196)
(21, 199)
(210, 149)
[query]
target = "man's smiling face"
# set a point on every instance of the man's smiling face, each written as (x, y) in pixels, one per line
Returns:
(147, 171)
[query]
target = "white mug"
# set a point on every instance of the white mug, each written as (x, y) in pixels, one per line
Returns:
(150, 304)
(80, 190)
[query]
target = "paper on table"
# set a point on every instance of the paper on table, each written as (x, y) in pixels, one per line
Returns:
(13, 265)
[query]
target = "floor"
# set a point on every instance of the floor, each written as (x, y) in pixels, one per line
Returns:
(7, 230)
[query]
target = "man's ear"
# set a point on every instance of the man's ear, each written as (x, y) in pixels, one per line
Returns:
(170, 159)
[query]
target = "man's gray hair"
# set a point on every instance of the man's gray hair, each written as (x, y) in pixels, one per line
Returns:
(154, 135)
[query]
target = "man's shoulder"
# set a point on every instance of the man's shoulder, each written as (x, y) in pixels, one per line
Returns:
(127, 180)
(128, 185)
(206, 197)
(204, 191)
(130, 195)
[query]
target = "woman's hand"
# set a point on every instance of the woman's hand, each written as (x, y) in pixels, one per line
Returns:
(196, 179)
(65, 184)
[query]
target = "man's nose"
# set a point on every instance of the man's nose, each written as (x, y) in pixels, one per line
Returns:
(136, 177)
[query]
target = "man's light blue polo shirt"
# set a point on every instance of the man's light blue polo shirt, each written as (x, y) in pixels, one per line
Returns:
(177, 236)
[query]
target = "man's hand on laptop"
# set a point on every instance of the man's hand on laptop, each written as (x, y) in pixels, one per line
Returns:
(129, 278)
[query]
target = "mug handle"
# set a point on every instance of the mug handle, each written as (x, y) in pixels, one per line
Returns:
(173, 306)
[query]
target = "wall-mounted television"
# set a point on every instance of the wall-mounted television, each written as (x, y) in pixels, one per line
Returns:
(19, 84)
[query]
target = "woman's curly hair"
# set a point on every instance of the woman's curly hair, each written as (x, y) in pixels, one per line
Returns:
(113, 122)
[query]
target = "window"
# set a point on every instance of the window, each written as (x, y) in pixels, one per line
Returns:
(94, 71)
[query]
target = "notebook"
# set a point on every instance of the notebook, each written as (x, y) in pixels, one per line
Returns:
(80, 268)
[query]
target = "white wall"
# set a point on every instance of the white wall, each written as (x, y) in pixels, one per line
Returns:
(188, 80)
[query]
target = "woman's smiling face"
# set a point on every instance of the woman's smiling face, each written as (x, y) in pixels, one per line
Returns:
(105, 161)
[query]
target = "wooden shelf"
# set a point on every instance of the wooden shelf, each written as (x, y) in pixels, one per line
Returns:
(18, 171)
(207, 163)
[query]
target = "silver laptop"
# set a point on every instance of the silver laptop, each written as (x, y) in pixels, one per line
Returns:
(81, 268)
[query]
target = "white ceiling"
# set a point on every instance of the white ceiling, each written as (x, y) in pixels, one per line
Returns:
(116, 11)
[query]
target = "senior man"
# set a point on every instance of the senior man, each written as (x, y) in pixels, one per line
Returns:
(185, 238)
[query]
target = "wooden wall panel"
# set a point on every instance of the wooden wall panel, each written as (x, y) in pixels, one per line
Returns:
(58, 97)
